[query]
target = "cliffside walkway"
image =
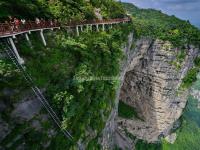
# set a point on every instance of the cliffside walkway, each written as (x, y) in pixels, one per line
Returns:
(8, 30)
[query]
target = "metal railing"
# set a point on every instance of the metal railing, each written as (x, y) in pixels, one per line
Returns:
(104, 21)
(9, 29)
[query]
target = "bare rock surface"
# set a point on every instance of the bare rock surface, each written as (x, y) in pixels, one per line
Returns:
(2, 106)
(27, 110)
(151, 86)
(122, 141)
(4, 129)
(107, 140)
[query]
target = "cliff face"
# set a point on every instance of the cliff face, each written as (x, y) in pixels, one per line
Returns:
(109, 135)
(151, 85)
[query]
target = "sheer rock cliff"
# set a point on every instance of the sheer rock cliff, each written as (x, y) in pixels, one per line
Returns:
(150, 83)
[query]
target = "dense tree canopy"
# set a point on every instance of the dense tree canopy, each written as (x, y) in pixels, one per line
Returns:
(61, 9)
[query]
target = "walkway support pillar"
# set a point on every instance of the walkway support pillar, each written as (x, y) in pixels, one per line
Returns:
(77, 31)
(43, 39)
(28, 40)
(81, 28)
(103, 27)
(20, 60)
(87, 27)
(97, 27)
(91, 27)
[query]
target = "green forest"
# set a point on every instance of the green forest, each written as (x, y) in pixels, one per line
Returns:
(154, 23)
(83, 106)
(60, 9)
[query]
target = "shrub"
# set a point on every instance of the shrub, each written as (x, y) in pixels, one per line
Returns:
(197, 62)
(126, 111)
(190, 78)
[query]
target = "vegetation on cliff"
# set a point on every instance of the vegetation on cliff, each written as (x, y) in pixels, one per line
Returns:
(60, 9)
(126, 111)
(68, 69)
(71, 70)
(63, 68)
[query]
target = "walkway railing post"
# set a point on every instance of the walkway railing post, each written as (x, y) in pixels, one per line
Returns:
(43, 39)
(20, 60)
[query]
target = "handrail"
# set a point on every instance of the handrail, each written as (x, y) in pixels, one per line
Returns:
(105, 21)
(11, 28)
(6, 28)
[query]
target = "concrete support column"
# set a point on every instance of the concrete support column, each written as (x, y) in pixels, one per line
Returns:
(14, 37)
(81, 28)
(97, 26)
(68, 29)
(77, 31)
(111, 25)
(20, 60)
(103, 27)
(27, 38)
(43, 39)
(91, 27)
(87, 27)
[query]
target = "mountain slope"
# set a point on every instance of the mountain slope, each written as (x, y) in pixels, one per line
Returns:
(154, 23)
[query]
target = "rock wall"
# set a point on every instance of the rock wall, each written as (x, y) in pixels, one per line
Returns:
(150, 86)
(21, 119)
(109, 134)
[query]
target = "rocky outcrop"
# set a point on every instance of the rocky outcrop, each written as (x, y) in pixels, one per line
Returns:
(21, 118)
(151, 86)
(26, 110)
(4, 129)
